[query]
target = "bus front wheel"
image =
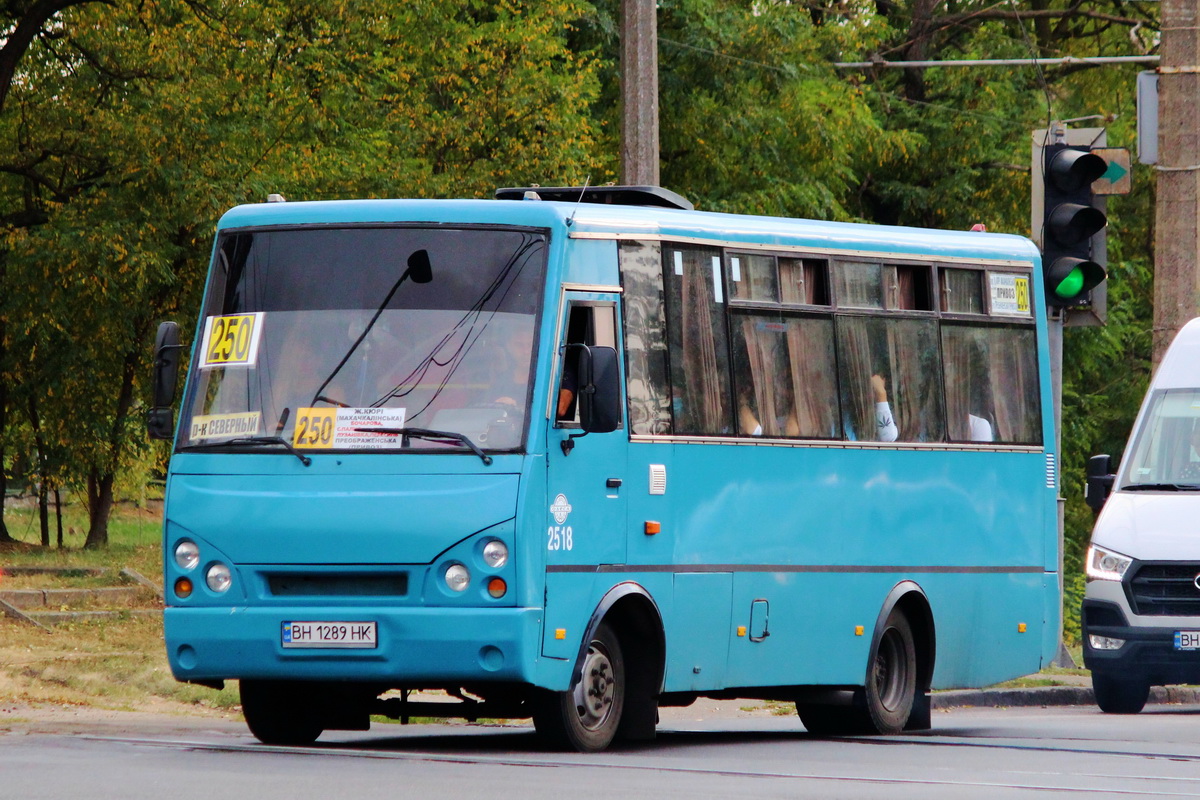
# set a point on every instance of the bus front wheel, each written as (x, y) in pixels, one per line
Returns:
(586, 716)
(275, 713)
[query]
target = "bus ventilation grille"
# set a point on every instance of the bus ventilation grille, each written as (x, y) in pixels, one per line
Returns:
(658, 479)
(1051, 471)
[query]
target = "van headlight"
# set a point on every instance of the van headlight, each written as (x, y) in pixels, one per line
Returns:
(1106, 565)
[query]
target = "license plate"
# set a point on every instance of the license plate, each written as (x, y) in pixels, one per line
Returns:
(1187, 640)
(329, 634)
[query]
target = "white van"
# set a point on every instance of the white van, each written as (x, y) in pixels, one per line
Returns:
(1141, 610)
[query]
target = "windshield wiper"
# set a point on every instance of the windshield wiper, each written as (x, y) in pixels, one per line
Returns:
(1160, 487)
(431, 436)
(253, 440)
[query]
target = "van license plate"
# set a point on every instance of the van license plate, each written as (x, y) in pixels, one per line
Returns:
(1187, 640)
(329, 634)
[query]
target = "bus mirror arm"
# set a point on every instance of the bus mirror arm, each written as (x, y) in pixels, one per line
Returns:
(160, 420)
(1100, 479)
(598, 379)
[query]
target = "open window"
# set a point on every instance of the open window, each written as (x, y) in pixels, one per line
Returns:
(591, 324)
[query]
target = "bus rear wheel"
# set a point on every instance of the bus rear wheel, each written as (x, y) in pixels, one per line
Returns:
(586, 716)
(885, 703)
(1119, 696)
(275, 714)
(892, 681)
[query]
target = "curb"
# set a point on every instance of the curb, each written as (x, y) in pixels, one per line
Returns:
(1051, 696)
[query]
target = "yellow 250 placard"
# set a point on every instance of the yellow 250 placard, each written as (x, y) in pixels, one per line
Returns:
(231, 340)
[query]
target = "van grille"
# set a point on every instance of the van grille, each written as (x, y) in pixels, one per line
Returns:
(1166, 590)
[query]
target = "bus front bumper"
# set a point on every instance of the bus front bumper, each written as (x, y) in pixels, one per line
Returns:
(414, 646)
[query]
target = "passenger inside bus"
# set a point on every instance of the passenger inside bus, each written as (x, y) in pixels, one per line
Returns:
(885, 425)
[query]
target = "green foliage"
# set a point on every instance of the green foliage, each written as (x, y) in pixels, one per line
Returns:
(152, 119)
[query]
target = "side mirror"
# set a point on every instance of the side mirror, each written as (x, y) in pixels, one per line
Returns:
(599, 390)
(160, 421)
(166, 363)
(1100, 479)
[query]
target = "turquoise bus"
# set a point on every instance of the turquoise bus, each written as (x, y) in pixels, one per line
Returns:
(578, 454)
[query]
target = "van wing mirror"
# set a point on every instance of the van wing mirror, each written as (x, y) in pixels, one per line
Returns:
(1100, 479)
(160, 421)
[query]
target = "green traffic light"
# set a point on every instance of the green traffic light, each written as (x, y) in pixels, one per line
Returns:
(1071, 285)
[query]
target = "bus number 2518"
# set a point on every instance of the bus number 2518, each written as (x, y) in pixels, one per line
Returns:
(561, 537)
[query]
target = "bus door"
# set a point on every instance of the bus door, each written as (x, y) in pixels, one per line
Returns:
(586, 483)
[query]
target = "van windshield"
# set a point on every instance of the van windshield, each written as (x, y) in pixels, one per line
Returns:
(1166, 453)
(317, 335)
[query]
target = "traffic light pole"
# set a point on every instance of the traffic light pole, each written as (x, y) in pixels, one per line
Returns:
(1054, 330)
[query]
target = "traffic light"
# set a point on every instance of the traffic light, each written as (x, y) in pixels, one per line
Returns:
(1069, 222)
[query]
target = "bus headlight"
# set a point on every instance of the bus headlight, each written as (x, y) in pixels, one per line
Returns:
(187, 555)
(1106, 565)
(458, 577)
(219, 578)
(495, 554)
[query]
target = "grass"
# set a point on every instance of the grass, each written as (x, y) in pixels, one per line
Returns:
(118, 663)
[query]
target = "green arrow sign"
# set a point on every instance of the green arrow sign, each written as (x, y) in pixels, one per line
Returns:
(1117, 178)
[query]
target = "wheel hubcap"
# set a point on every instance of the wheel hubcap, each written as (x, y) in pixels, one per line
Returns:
(891, 670)
(596, 688)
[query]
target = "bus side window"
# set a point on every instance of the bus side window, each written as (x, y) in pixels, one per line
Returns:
(698, 344)
(648, 386)
(783, 372)
(991, 384)
(889, 375)
(589, 325)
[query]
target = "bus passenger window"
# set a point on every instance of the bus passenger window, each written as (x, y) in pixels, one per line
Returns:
(753, 277)
(908, 287)
(647, 385)
(889, 376)
(962, 291)
(804, 281)
(697, 341)
(991, 384)
(859, 284)
(784, 376)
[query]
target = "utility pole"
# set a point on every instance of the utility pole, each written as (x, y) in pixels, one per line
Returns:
(639, 93)
(1177, 205)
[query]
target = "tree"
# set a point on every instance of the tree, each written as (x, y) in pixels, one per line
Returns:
(153, 119)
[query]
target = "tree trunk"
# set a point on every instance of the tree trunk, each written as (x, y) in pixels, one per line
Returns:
(43, 481)
(100, 503)
(58, 515)
(100, 482)
(4, 537)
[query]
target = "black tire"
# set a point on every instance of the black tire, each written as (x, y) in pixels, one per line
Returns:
(892, 679)
(274, 713)
(884, 705)
(831, 720)
(585, 718)
(1119, 696)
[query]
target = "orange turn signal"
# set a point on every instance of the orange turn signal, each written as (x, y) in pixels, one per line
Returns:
(497, 587)
(652, 527)
(183, 587)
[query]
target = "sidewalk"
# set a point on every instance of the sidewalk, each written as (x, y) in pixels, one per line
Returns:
(1079, 694)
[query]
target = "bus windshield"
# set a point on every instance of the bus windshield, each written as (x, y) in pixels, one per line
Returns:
(333, 339)
(1167, 452)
